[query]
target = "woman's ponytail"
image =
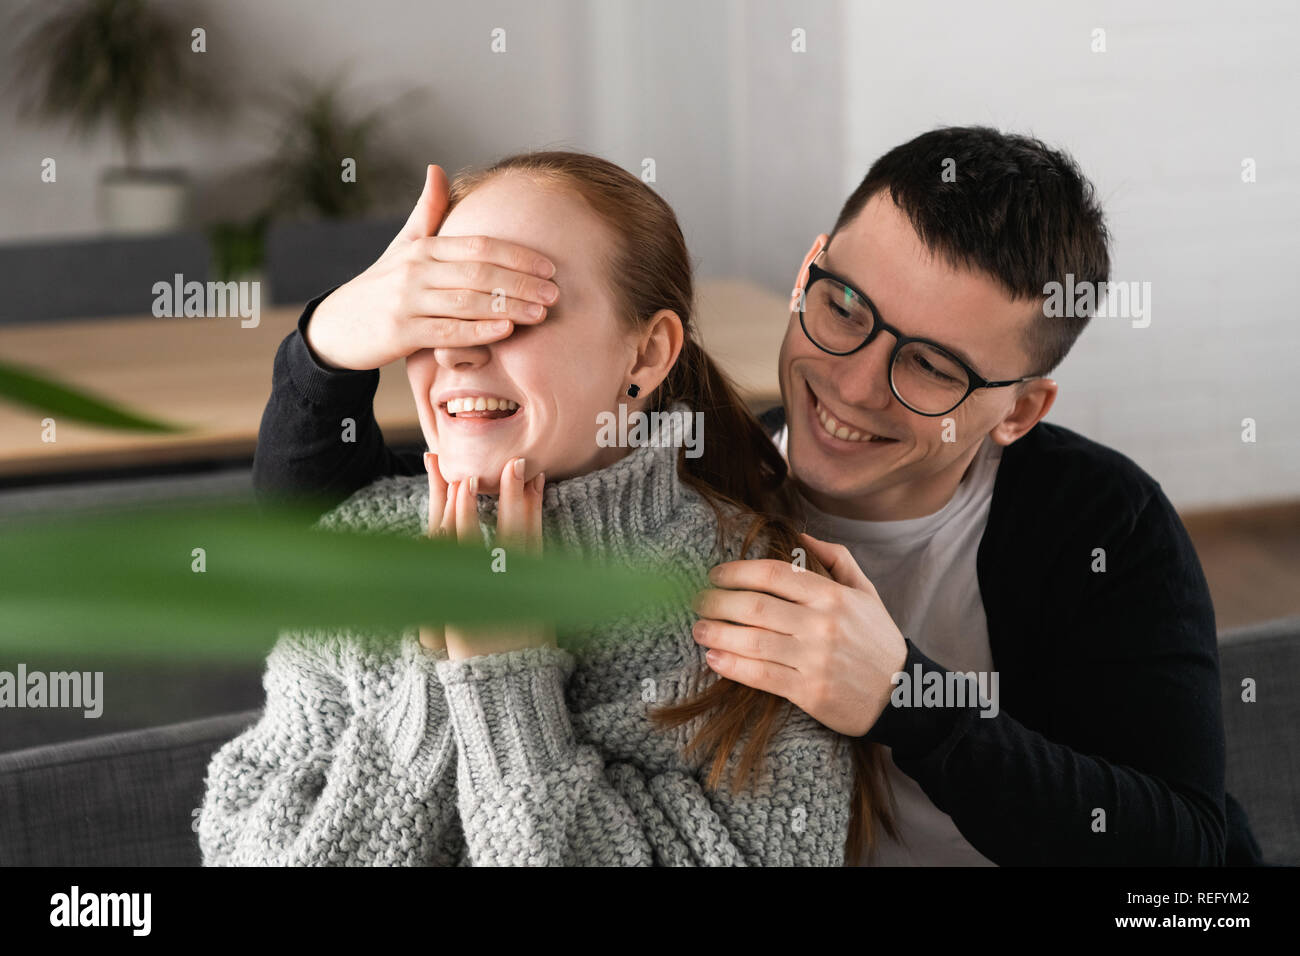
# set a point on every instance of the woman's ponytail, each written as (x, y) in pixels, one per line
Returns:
(741, 472)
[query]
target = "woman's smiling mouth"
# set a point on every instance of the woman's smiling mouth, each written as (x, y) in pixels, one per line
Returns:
(468, 406)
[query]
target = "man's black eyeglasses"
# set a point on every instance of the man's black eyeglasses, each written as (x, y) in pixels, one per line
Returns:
(923, 375)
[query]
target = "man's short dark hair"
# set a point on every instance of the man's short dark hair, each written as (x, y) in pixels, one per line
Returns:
(1015, 209)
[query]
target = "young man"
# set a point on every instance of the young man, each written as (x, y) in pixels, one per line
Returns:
(965, 536)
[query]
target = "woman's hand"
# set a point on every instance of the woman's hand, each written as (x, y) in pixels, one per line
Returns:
(428, 291)
(441, 521)
(519, 530)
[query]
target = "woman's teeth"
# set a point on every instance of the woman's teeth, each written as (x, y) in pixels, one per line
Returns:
(480, 403)
(832, 427)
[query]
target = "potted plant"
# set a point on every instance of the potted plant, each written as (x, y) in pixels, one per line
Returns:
(338, 184)
(239, 249)
(317, 132)
(121, 64)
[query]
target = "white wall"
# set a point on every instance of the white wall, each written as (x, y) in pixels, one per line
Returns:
(757, 146)
(1160, 122)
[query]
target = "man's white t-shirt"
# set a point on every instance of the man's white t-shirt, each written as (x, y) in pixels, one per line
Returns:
(924, 569)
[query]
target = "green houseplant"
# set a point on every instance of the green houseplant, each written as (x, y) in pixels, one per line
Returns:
(330, 165)
(318, 131)
(120, 64)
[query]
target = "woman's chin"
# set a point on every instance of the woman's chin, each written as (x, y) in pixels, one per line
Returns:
(488, 472)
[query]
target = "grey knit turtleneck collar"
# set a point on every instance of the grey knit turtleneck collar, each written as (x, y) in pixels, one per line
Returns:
(613, 512)
(620, 512)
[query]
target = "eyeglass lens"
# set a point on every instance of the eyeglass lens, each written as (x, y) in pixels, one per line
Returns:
(925, 377)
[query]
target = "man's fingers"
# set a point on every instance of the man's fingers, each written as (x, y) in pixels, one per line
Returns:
(756, 643)
(467, 526)
(761, 675)
(839, 562)
(467, 304)
(444, 333)
(500, 252)
(751, 608)
(778, 578)
(477, 276)
(437, 493)
(430, 209)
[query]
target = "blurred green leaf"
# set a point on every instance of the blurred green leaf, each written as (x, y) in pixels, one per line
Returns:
(123, 584)
(59, 401)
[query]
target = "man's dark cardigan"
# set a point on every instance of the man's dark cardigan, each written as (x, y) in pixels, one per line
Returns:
(1108, 745)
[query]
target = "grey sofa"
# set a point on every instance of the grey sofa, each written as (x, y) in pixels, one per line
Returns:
(129, 799)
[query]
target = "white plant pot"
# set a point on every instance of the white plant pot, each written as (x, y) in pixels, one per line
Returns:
(143, 201)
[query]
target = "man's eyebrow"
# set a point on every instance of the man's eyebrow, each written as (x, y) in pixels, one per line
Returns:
(857, 290)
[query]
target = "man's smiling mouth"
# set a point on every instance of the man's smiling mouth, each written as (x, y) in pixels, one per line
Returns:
(837, 429)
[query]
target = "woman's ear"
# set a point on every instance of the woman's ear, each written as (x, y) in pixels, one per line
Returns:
(657, 351)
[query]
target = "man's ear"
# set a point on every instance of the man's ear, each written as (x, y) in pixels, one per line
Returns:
(801, 280)
(1033, 401)
(657, 351)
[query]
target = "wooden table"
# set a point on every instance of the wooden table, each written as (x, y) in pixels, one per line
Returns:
(214, 376)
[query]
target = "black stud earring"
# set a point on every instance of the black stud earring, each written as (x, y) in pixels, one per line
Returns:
(633, 389)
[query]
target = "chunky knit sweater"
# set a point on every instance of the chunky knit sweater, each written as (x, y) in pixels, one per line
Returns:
(372, 749)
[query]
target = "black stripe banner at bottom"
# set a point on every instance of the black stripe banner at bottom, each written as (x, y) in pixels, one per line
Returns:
(210, 906)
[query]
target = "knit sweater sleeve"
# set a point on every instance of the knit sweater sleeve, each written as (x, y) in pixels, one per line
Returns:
(531, 793)
(323, 779)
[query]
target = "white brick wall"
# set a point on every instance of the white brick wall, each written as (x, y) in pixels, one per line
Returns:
(1161, 123)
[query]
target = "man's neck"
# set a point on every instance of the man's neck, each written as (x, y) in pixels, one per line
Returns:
(900, 502)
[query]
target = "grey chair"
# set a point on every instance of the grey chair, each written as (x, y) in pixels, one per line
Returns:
(95, 278)
(128, 799)
(303, 259)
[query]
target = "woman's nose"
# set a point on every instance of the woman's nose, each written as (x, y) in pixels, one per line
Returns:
(470, 357)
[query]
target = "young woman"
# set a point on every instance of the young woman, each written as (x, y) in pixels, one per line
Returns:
(617, 747)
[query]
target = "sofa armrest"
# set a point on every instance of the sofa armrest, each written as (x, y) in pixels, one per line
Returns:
(1263, 736)
(116, 800)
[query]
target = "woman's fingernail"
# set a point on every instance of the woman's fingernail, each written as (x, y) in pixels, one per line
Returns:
(473, 484)
(539, 481)
(428, 462)
(519, 468)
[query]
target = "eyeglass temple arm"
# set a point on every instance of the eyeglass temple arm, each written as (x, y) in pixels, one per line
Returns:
(1011, 381)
